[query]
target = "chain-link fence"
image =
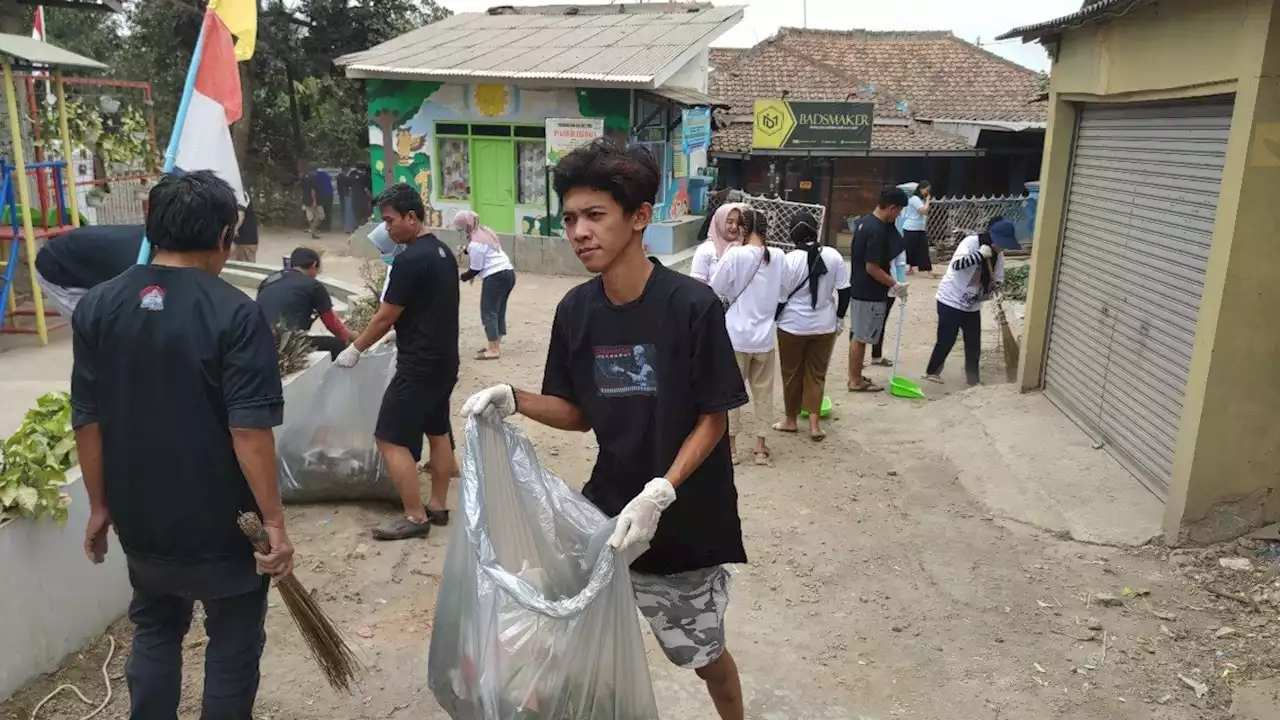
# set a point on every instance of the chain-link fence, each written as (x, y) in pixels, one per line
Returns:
(780, 214)
(114, 155)
(951, 219)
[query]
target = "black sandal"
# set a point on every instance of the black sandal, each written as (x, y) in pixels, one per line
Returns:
(437, 517)
(402, 528)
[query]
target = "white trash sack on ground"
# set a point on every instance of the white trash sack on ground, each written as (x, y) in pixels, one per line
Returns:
(536, 619)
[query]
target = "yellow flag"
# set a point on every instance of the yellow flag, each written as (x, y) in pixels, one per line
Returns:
(241, 18)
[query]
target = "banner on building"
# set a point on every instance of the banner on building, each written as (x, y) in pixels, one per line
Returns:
(804, 124)
(696, 128)
(564, 135)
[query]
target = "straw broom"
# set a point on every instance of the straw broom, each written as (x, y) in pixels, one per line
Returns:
(1008, 343)
(336, 659)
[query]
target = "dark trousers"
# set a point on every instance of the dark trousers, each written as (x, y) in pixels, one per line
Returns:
(328, 343)
(952, 322)
(877, 350)
(495, 290)
(236, 629)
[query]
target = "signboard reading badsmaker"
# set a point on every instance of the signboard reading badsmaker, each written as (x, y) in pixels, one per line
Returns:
(809, 125)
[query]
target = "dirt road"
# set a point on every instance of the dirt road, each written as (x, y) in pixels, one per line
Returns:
(877, 586)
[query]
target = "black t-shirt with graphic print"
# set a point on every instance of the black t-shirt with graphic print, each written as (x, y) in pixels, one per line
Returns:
(167, 361)
(642, 374)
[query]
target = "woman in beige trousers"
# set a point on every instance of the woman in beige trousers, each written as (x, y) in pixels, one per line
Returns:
(748, 279)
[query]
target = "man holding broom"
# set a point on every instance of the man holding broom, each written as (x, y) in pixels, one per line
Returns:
(640, 355)
(174, 392)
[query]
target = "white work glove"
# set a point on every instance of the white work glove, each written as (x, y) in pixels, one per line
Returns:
(985, 251)
(638, 521)
(500, 399)
(899, 290)
(348, 357)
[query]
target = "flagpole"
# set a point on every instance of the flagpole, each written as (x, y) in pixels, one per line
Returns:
(171, 154)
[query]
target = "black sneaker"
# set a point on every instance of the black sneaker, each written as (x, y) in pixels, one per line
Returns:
(437, 517)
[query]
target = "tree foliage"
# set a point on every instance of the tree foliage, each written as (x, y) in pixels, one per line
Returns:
(298, 40)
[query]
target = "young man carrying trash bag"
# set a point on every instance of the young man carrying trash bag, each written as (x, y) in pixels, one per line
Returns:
(640, 355)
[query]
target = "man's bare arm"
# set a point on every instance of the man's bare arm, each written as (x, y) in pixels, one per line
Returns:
(256, 452)
(880, 276)
(89, 451)
(382, 322)
(551, 411)
(707, 433)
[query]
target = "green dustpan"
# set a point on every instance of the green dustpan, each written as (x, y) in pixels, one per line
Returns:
(900, 386)
(823, 412)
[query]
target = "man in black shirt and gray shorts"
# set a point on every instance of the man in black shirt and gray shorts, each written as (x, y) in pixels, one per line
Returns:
(421, 302)
(640, 355)
(77, 261)
(875, 245)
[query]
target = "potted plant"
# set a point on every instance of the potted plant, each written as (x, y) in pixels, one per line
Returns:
(97, 197)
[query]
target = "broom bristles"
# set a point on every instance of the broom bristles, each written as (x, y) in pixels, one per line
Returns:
(330, 649)
(1008, 343)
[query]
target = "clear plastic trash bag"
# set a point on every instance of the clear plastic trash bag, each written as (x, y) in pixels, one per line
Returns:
(326, 451)
(536, 619)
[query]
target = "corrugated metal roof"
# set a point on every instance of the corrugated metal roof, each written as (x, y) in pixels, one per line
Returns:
(688, 97)
(1091, 12)
(35, 52)
(638, 45)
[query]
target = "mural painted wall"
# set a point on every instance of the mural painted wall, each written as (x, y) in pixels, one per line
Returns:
(403, 146)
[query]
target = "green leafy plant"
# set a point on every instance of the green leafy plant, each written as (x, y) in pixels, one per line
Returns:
(35, 459)
(360, 310)
(1015, 282)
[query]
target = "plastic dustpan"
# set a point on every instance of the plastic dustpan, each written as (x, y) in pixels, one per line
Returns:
(900, 386)
(904, 388)
(824, 412)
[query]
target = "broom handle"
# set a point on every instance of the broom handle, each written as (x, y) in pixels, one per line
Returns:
(897, 344)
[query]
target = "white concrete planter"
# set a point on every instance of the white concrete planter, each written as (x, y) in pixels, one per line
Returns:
(54, 600)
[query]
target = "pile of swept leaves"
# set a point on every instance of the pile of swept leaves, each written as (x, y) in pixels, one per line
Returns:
(1015, 282)
(34, 461)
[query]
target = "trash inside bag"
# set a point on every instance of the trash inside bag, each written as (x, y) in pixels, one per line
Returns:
(536, 619)
(326, 450)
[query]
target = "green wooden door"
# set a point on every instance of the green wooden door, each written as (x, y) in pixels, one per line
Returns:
(493, 183)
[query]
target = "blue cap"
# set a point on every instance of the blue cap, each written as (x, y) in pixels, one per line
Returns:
(1003, 235)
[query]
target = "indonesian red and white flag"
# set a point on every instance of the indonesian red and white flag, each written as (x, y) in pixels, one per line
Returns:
(205, 142)
(37, 26)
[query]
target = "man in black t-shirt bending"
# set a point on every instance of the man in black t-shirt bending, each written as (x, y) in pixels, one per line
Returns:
(640, 355)
(174, 392)
(294, 298)
(72, 264)
(421, 302)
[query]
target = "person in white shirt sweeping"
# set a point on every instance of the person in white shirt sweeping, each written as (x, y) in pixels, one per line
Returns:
(976, 272)
(487, 261)
(749, 279)
(725, 232)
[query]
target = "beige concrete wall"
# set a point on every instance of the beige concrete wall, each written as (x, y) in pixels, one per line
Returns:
(1226, 477)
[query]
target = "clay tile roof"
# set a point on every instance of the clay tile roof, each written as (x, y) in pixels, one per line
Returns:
(916, 137)
(769, 70)
(940, 75)
(724, 57)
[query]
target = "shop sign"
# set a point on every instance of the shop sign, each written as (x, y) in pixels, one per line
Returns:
(564, 135)
(810, 125)
(696, 128)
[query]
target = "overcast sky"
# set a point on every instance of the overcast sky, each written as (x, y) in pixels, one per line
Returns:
(972, 20)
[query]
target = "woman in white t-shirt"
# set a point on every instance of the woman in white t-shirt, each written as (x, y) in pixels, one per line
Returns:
(915, 220)
(497, 279)
(749, 278)
(808, 320)
(725, 232)
(976, 272)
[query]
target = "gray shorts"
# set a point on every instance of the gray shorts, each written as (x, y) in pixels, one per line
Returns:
(866, 320)
(686, 612)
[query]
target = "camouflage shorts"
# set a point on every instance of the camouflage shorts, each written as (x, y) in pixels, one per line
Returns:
(686, 612)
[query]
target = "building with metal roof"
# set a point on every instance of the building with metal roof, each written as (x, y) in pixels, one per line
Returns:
(1147, 318)
(460, 108)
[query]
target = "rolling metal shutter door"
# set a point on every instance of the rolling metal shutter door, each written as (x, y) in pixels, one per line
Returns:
(1139, 222)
